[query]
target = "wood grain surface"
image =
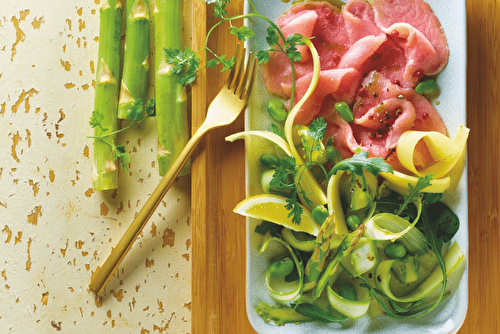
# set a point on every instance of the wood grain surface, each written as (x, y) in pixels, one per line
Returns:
(218, 235)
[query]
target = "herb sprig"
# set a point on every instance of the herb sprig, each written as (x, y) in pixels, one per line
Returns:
(359, 162)
(284, 179)
(187, 63)
(136, 114)
(287, 176)
(415, 192)
(315, 131)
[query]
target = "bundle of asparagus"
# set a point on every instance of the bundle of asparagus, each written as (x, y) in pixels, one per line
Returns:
(126, 100)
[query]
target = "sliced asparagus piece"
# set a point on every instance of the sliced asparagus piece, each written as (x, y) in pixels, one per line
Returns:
(344, 248)
(317, 261)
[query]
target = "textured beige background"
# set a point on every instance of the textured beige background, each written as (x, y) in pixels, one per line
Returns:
(55, 230)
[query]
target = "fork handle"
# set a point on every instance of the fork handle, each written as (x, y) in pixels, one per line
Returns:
(104, 273)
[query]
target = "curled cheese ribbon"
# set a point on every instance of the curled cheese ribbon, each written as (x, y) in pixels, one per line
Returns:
(452, 261)
(446, 153)
(443, 150)
(284, 295)
(334, 203)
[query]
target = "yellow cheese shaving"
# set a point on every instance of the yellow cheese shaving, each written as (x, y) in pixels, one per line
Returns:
(447, 154)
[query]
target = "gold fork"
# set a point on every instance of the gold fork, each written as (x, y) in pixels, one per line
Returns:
(223, 110)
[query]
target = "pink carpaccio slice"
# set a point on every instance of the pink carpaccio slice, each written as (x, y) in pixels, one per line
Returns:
(383, 111)
(318, 19)
(340, 84)
(371, 54)
(414, 27)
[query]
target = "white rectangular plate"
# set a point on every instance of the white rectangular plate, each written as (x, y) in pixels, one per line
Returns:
(450, 314)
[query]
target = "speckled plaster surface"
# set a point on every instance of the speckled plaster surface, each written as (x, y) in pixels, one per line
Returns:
(54, 229)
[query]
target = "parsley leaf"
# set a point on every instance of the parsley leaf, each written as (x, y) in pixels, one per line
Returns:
(220, 7)
(119, 153)
(136, 110)
(289, 48)
(312, 137)
(284, 179)
(227, 64)
(291, 44)
(317, 129)
(136, 115)
(295, 209)
(212, 63)
(284, 173)
(242, 32)
(96, 120)
(263, 56)
(358, 162)
(272, 37)
(183, 63)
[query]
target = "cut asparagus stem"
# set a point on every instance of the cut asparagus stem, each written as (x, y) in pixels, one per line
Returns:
(344, 249)
(106, 94)
(317, 261)
(136, 59)
(170, 96)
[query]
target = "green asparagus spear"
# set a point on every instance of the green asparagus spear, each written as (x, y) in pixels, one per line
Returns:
(170, 96)
(344, 248)
(136, 59)
(106, 94)
(317, 261)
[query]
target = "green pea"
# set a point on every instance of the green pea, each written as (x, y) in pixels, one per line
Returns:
(426, 87)
(281, 268)
(348, 291)
(269, 160)
(353, 222)
(344, 111)
(395, 251)
(277, 110)
(319, 213)
(333, 154)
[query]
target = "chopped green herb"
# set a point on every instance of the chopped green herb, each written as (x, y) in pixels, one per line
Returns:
(119, 150)
(359, 162)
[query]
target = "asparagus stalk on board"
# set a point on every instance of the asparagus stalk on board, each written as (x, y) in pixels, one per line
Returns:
(170, 96)
(136, 59)
(106, 94)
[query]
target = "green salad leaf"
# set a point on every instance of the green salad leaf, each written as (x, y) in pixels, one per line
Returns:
(317, 314)
(359, 162)
(414, 192)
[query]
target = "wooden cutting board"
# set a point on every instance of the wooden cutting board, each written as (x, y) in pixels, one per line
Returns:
(218, 184)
